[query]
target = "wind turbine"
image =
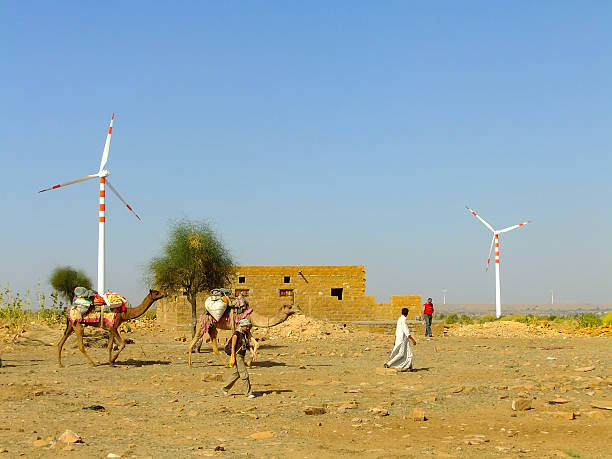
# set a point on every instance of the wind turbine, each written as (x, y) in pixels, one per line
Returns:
(444, 291)
(495, 240)
(102, 174)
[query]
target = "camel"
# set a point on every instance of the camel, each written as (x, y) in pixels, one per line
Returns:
(129, 314)
(257, 320)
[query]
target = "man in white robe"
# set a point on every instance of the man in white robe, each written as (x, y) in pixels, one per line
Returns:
(401, 355)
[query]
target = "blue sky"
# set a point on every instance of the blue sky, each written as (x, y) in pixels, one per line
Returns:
(314, 133)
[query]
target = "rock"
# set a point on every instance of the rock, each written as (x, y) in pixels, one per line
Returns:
(456, 390)
(521, 404)
(475, 439)
(386, 371)
(379, 412)
(40, 443)
(348, 405)
(262, 435)
(584, 369)
(564, 414)
(315, 410)
(70, 437)
(208, 377)
(113, 455)
(602, 405)
(417, 414)
(558, 401)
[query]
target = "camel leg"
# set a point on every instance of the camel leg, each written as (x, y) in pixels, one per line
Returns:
(121, 342)
(78, 331)
(198, 335)
(60, 344)
(215, 345)
(198, 346)
(111, 341)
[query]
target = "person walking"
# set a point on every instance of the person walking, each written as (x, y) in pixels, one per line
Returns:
(238, 345)
(428, 310)
(401, 355)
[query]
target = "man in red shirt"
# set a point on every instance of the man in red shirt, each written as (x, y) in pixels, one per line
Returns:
(428, 310)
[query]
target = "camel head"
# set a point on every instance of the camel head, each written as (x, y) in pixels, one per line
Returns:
(156, 295)
(289, 309)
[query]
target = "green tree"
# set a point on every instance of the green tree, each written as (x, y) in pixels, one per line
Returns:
(64, 279)
(194, 260)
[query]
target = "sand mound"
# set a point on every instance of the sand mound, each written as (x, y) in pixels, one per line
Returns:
(504, 328)
(500, 328)
(299, 327)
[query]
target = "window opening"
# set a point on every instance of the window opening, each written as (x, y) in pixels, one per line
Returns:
(241, 279)
(287, 279)
(337, 292)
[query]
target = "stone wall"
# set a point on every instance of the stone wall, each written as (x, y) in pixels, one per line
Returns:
(334, 293)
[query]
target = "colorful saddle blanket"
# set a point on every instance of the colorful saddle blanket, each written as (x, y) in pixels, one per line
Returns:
(80, 312)
(207, 321)
(92, 317)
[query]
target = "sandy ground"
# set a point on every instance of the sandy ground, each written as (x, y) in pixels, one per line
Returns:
(155, 406)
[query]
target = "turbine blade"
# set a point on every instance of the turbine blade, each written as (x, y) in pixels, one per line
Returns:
(82, 179)
(122, 200)
(510, 228)
(490, 251)
(107, 145)
(480, 218)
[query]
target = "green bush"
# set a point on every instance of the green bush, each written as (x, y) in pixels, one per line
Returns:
(466, 320)
(487, 318)
(589, 320)
(452, 319)
(515, 318)
(607, 319)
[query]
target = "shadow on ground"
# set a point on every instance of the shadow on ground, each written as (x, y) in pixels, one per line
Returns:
(141, 363)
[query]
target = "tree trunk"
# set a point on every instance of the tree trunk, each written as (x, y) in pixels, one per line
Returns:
(194, 315)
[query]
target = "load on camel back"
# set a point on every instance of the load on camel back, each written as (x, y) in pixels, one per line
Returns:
(88, 306)
(220, 306)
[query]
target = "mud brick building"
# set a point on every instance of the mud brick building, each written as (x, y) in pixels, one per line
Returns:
(334, 293)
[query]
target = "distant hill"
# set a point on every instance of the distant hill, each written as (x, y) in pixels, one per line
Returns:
(524, 308)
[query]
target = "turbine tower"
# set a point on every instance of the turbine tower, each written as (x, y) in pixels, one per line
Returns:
(444, 291)
(102, 174)
(495, 240)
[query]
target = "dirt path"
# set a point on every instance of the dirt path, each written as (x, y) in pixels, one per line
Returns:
(154, 406)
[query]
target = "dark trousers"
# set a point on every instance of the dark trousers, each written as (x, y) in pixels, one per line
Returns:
(428, 318)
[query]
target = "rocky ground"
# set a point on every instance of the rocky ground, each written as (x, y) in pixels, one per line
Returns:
(479, 391)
